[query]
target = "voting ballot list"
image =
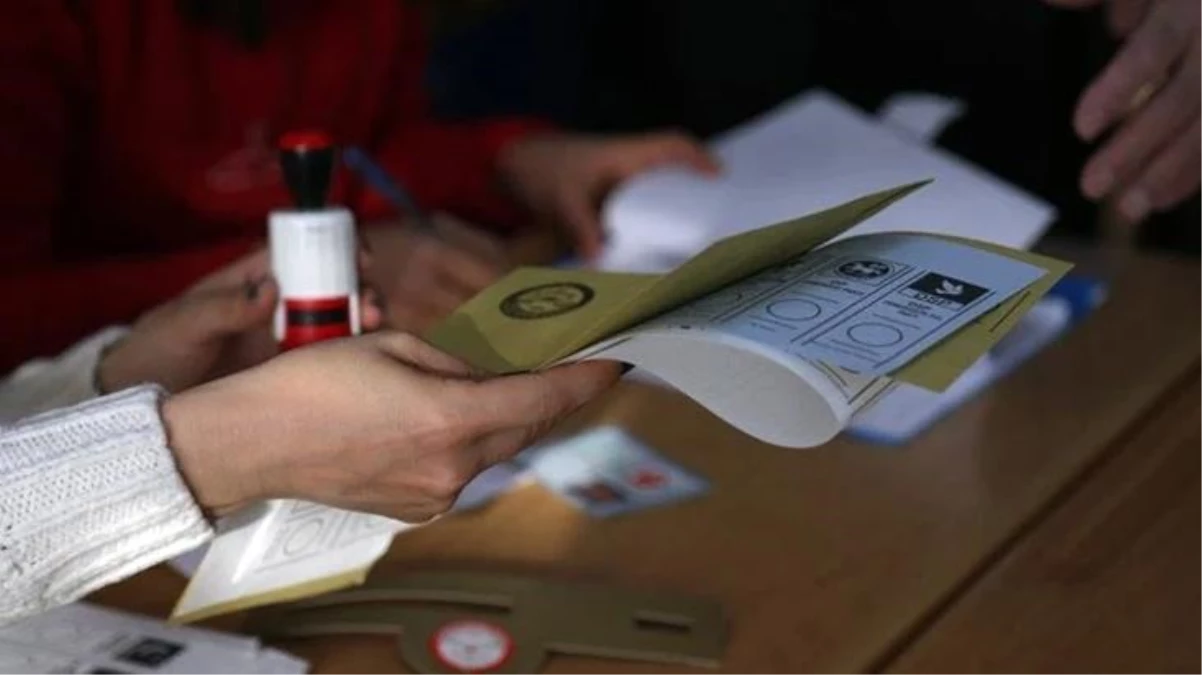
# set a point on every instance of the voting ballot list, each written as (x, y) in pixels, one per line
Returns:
(784, 332)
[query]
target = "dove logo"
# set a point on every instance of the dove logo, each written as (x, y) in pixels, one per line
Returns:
(936, 289)
(948, 288)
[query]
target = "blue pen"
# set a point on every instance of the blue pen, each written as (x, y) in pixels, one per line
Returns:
(378, 179)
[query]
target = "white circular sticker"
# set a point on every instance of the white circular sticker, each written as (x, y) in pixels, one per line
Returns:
(471, 646)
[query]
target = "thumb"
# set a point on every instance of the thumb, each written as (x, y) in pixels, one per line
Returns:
(537, 399)
(230, 310)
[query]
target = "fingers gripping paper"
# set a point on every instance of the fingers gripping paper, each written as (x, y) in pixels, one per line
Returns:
(781, 336)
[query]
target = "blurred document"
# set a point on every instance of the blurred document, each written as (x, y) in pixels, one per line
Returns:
(87, 638)
(809, 154)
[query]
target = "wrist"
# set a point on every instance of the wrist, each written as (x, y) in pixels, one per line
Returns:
(203, 436)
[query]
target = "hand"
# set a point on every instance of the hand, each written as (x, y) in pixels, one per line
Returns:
(219, 326)
(564, 178)
(422, 278)
(382, 423)
(1150, 92)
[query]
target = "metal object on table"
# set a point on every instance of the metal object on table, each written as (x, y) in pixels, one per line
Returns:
(479, 622)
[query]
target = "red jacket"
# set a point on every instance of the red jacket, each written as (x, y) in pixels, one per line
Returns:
(136, 148)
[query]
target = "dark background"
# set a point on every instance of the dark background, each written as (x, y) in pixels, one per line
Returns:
(707, 65)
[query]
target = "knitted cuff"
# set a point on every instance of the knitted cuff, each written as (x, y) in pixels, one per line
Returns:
(65, 380)
(89, 495)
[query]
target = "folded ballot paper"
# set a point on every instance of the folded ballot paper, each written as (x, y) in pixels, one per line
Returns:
(87, 638)
(779, 335)
(783, 331)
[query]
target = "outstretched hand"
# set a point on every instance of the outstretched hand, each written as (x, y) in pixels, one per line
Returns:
(1148, 96)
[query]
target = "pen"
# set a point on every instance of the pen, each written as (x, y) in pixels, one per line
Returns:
(378, 179)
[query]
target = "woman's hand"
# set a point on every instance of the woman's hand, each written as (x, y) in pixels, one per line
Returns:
(382, 423)
(1148, 95)
(422, 277)
(219, 326)
(564, 178)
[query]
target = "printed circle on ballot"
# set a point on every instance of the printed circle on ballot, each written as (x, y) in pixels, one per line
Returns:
(874, 334)
(794, 309)
(304, 536)
(546, 300)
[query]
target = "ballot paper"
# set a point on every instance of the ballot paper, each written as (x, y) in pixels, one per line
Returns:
(775, 330)
(809, 154)
(290, 549)
(790, 354)
(282, 550)
(869, 305)
(907, 411)
(86, 638)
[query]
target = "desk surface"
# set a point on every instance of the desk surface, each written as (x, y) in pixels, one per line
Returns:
(1107, 583)
(847, 556)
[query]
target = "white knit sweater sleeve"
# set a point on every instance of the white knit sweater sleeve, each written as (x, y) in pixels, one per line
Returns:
(89, 495)
(52, 383)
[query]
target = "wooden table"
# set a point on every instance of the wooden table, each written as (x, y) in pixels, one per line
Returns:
(1051, 523)
(1107, 582)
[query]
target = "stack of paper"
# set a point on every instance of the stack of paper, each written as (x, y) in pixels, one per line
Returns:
(84, 638)
(809, 154)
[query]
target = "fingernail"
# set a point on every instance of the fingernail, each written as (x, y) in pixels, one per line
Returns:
(1135, 205)
(1097, 183)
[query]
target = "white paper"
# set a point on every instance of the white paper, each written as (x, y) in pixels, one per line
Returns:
(809, 154)
(790, 354)
(869, 304)
(921, 115)
(768, 394)
(85, 638)
(283, 543)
